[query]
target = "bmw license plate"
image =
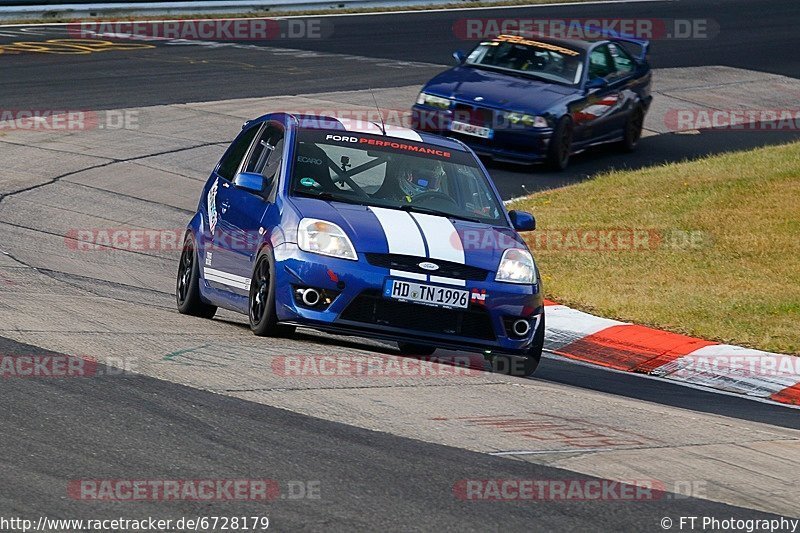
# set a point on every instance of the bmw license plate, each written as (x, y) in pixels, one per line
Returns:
(471, 129)
(426, 294)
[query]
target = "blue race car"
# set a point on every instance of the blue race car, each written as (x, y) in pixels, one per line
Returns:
(367, 230)
(534, 100)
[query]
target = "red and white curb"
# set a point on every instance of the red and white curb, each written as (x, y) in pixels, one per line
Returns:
(632, 348)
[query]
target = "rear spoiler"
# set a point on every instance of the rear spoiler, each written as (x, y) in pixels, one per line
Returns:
(611, 35)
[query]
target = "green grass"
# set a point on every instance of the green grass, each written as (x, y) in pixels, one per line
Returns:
(739, 282)
(279, 13)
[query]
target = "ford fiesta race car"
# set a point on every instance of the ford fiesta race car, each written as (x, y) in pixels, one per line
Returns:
(538, 99)
(374, 230)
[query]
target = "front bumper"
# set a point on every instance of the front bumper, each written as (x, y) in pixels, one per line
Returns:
(514, 144)
(360, 309)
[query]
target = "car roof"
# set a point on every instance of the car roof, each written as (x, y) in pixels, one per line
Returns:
(583, 46)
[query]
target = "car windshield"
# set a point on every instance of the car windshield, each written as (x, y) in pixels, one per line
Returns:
(526, 57)
(390, 172)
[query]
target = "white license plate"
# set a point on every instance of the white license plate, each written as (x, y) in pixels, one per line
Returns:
(471, 129)
(426, 294)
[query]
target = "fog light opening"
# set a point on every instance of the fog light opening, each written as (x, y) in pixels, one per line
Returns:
(310, 297)
(521, 327)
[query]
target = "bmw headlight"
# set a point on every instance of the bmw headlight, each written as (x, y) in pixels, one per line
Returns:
(516, 266)
(433, 101)
(532, 121)
(326, 238)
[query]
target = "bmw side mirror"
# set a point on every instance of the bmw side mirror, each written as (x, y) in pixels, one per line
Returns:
(522, 221)
(249, 181)
(459, 56)
(596, 83)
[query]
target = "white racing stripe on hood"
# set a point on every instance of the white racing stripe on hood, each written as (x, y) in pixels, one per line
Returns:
(444, 243)
(402, 236)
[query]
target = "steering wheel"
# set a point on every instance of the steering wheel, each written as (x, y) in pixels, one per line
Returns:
(425, 197)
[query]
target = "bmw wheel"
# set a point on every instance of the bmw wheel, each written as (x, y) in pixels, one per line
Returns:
(560, 147)
(633, 129)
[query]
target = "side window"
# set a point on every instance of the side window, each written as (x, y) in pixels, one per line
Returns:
(233, 157)
(601, 63)
(623, 61)
(475, 195)
(267, 155)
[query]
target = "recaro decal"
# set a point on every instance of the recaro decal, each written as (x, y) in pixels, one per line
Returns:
(306, 159)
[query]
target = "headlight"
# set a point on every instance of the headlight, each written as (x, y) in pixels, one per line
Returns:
(433, 101)
(531, 121)
(516, 266)
(326, 238)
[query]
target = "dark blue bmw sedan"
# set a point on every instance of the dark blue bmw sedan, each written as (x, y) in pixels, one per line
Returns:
(536, 99)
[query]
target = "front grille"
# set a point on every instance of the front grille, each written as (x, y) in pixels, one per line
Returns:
(410, 263)
(370, 307)
(478, 116)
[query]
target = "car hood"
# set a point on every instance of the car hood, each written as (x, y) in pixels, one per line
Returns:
(496, 89)
(482, 245)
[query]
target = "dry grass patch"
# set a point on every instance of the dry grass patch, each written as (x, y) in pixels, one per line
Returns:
(723, 254)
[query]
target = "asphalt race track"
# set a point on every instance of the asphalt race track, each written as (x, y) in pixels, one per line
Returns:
(205, 400)
(145, 428)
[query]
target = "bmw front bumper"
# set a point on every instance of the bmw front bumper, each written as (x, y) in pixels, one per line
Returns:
(512, 144)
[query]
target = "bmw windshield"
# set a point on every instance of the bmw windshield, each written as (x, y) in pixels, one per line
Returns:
(395, 173)
(529, 58)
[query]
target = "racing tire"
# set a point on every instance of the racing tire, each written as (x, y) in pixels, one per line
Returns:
(633, 130)
(408, 348)
(521, 365)
(560, 147)
(261, 301)
(187, 285)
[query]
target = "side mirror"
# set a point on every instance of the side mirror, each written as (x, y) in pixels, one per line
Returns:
(249, 181)
(459, 56)
(596, 83)
(522, 220)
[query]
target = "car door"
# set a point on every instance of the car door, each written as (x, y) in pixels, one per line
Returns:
(625, 81)
(219, 262)
(250, 215)
(600, 115)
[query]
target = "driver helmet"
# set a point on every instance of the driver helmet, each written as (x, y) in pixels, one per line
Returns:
(423, 177)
